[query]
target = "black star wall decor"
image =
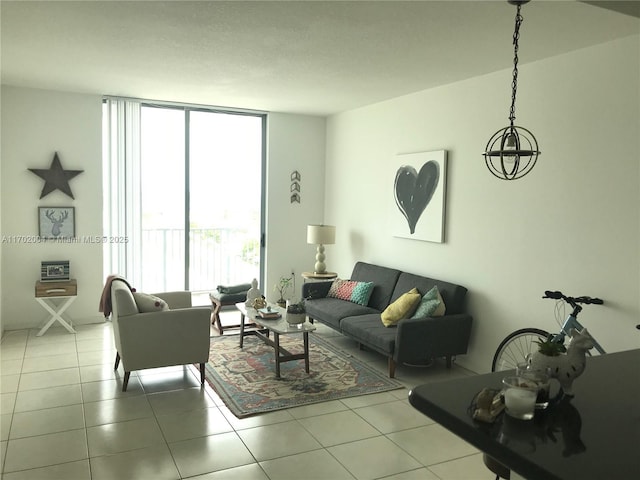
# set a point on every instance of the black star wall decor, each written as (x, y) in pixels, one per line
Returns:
(56, 178)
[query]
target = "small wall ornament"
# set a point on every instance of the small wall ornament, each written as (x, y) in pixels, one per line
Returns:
(295, 187)
(56, 177)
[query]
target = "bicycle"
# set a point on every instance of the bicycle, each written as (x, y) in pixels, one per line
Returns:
(516, 347)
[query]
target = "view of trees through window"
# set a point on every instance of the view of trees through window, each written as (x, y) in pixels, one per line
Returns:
(201, 180)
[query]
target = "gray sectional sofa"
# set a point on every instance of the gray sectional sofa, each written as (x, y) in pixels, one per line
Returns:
(411, 340)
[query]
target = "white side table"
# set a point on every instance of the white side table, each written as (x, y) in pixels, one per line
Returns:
(55, 298)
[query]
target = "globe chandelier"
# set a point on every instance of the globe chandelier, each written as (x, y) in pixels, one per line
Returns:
(512, 152)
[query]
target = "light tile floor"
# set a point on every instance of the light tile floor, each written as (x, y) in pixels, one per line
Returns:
(63, 416)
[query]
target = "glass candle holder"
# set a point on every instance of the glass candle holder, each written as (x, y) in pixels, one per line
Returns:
(520, 397)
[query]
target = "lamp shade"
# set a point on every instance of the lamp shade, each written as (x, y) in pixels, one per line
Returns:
(321, 234)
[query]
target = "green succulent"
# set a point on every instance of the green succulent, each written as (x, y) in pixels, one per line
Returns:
(296, 307)
(550, 347)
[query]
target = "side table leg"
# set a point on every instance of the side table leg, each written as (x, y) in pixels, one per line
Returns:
(217, 307)
(56, 314)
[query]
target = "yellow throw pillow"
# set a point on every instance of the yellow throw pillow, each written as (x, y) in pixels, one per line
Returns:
(403, 307)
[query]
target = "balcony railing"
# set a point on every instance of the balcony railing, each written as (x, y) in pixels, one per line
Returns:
(217, 256)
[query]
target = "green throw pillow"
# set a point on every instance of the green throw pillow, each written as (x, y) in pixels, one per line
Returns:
(431, 305)
(403, 307)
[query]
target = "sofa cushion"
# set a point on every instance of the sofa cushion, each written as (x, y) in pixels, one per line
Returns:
(403, 307)
(369, 330)
(332, 310)
(231, 289)
(352, 291)
(431, 305)
(384, 280)
(453, 295)
(229, 298)
(149, 303)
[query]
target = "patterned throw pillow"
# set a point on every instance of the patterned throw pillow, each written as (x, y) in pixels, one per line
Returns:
(431, 305)
(351, 291)
(403, 307)
(149, 303)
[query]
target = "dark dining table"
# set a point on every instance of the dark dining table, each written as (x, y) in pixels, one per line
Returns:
(593, 435)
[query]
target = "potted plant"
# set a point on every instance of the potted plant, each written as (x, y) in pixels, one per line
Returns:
(296, 312)
(284, 284)
(560, 362)
(551, 348)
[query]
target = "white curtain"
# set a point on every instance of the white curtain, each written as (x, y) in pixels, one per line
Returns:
(121, 186)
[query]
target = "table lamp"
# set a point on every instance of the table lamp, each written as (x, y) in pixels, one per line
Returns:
(321, 235)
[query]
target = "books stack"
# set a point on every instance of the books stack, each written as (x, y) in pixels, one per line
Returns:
(268, 313)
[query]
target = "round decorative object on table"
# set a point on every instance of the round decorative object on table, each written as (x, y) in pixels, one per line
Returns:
(295, 318)
(259, 303)
(296, 314)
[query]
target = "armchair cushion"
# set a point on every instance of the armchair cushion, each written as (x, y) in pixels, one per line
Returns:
(149, 303)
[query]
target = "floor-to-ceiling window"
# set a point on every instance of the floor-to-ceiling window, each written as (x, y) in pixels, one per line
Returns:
(193, 192)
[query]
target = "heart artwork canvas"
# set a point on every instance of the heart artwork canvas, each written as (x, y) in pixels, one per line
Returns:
(418, 188)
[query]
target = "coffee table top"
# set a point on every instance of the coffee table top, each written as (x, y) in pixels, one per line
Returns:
(277, 325)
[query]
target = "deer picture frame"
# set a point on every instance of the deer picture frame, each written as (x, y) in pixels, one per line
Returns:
(56, 223)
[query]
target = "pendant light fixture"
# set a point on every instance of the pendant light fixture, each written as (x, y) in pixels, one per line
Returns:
(512, 152)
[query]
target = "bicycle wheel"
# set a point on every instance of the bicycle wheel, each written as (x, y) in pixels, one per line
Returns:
(515, 348)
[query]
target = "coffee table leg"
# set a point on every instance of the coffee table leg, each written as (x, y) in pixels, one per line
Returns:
(241, 329)
(306, 351)
(276, 338)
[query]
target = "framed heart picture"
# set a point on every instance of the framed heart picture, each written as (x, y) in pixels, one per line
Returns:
(418, 196)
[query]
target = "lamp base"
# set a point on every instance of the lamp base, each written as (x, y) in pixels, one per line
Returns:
(319, 266)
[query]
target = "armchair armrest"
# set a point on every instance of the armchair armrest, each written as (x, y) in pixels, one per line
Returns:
(432, 337)
(312, 290)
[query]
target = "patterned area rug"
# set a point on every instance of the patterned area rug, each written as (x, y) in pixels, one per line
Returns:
(245, 379)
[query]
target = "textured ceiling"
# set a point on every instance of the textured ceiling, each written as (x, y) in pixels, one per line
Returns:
(302, 57)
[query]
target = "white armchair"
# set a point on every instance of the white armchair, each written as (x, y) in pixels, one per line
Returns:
(177, 336)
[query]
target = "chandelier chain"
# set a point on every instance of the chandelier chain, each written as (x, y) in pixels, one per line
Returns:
(514, 82)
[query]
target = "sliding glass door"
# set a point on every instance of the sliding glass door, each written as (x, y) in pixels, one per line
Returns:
(225, 171)
(194, 202)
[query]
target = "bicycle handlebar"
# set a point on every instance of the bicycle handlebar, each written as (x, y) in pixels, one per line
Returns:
(556, 295)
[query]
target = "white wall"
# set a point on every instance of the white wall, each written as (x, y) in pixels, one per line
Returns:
(295, 143)
(572, 224)
(36, 123)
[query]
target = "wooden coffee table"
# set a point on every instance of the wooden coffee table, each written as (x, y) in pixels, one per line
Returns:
(278, 327)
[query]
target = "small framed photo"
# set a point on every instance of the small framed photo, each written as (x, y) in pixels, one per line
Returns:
(52, 271)
(56, 223)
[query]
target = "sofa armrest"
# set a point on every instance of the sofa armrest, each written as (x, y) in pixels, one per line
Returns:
(422, 338)
(312, 290)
